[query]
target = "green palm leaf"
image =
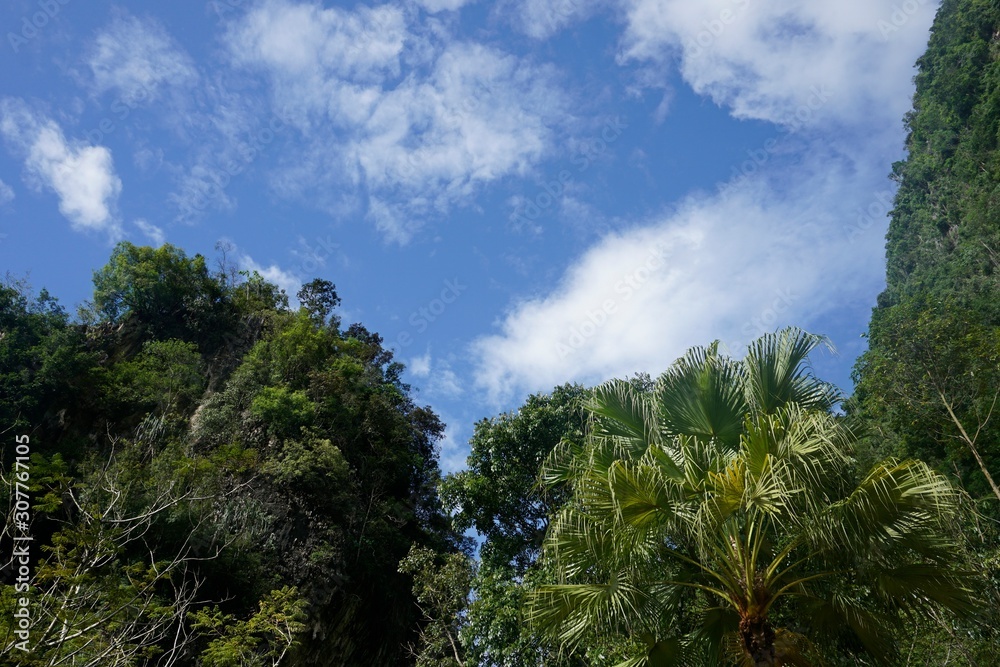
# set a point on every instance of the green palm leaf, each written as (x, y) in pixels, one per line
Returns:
(777, 372)
(701, 395)
(699, 511)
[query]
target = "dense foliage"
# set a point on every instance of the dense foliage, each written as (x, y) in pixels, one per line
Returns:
(715, 520)
(929, 385)
(219, 479)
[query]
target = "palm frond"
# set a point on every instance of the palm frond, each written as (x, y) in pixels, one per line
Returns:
(899, 505)
(561, 464)
(570, 611)
(875, 630)
(777, 372)
(913, 585)
(701, 395)
(624, 419)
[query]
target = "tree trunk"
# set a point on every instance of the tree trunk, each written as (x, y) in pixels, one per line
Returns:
(758, 640)
(971, 442)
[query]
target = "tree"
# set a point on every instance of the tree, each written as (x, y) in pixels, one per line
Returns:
(102, 592)
(717, 519)
(263, 639)
(498, 495)
(44, 366)
(319, 298)
(232, 482)
(161, 293)
(929, 385)
(441, 588)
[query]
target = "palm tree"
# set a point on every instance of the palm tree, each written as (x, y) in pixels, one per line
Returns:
(716, 521)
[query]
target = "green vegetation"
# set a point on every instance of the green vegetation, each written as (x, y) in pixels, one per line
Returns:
(219, 479)
(715, 519)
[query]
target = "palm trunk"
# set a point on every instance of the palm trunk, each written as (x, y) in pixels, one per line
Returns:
(758, 640)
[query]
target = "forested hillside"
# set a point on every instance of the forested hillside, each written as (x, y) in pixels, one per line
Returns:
(929, 384)
(934, 339)
(218, 479)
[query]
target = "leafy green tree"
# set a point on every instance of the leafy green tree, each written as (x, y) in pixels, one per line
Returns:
(224, 481)
(441, 588)
(166, 374)
(162, 293)
(930, 387)
(262, 640)
(102, 590)
(347, 483)
(926, 386)
(46, 370)
(498, 493)
(717, 519)
(499, 496)
(319, 298)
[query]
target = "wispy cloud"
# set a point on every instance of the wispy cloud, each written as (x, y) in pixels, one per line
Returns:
(543, 18)
(763, 252)
(82, 176)
(136, 58)
(6, 194)
(749, 56)
(434, 6)
(151, 232)
(453, 447)
(413, 121)
(420, 366)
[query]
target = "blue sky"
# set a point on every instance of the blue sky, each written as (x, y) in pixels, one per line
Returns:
(515, 194)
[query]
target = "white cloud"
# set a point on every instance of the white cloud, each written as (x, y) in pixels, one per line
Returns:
(421, 366)
(414, 122)
(543, 18)
(434, 6)
(774, 61)
(6, 193)
(274, 274)
(766, 251)
(82, 176)
(439, 380)
(151, 231)
(454, 448)
(303, 42)
(136, 58)
(790, 243)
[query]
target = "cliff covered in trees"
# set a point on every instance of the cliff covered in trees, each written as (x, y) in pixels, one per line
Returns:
(217, 478)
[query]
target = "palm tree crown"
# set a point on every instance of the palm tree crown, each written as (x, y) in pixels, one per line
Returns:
(717, 519)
